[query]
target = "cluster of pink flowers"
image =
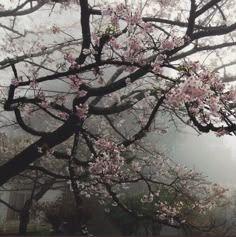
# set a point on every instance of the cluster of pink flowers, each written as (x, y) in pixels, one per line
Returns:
(108, 10)
(121, 11)
(137, 35)
(221, 132)
(107, 146)
(41, 95)
(147, 198)
(230, 95)
(63, 115)
(157, 69)
(75, 82)
(156, 64)
(201, 89)
(116, 98)
(55, 29)
(171, 43)
(136, 166)
(168, 212)
(70, 59)
(133, 18)
(214, 104)
(14, 82)
(82, 93)
(45, 104)
(146, 27)
(133, 52)
(108, 165)
(60, 99)
(82, 111)
(193, 66)
(95, 38)
(190, 90)
(114, 43)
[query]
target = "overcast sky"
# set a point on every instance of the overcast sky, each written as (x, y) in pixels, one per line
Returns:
(215, 157)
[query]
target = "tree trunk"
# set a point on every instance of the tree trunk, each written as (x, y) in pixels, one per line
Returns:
(24, 220)
(25, 212)
(21, 161)
(156, 229)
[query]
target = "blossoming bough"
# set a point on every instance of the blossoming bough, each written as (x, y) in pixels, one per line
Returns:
(133, 62)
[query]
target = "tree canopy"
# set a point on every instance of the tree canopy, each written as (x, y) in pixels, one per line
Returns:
(100, 82)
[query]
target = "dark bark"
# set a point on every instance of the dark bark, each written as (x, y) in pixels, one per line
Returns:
(21, 161)
(82, 221)
(25, 212)
(24, 220)
(85, 13)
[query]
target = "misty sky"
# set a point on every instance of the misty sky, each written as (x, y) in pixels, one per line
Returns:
(214, 156)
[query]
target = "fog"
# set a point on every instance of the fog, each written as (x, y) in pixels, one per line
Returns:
(214, 156)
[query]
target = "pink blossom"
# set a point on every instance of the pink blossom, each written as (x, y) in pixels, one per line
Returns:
(214, 104)
(14, 82)
(41, 95)
(104, 144)
(82, 93)
(107, 11)
(147, 27)
(116, 97)
(75, 82)
(136, 166)
(61, 99)
(82, 111)
(128, 81)
(157, 69)
(171, 43)
(168, 45)
(95, 38)
(134, 18)
(120, 9)
(69, 58)
(63, 115)
(114, 43)
(86, 51)
(55, 29)
(221, 133)
(45, 104)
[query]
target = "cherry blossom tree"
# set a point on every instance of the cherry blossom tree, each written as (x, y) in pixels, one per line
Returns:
(168, 199)
(122, 68)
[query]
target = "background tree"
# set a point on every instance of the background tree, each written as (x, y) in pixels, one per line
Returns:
(33, 181)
